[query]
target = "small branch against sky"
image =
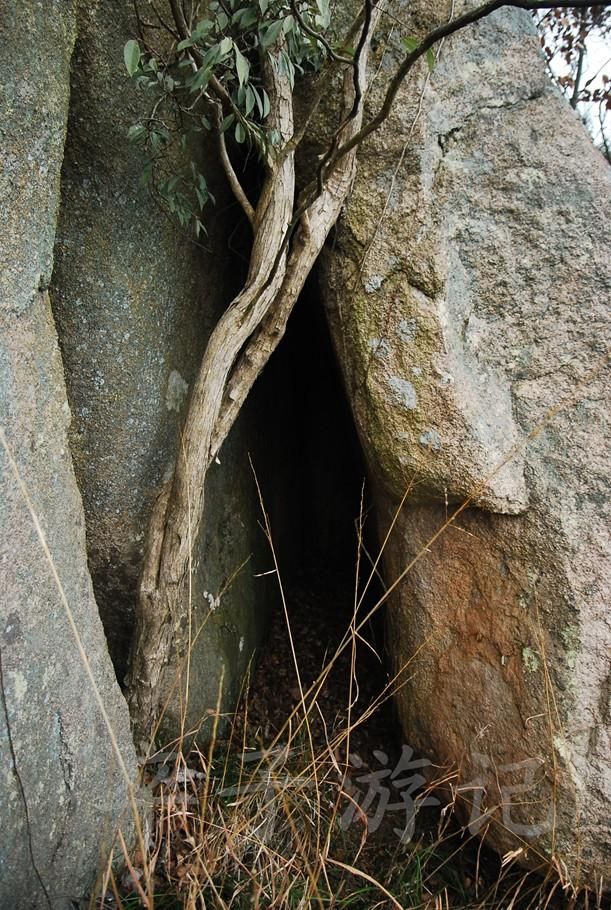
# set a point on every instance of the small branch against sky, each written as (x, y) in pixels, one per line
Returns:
(438, 34)
(577, 47)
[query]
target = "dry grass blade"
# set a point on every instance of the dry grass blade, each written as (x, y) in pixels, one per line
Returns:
(360, 874)
(238, 828)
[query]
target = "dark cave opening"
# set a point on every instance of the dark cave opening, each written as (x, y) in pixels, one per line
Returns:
(315, 492)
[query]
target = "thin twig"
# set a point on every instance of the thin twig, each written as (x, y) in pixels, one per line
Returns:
(357, 80)
(320, 38)
(162, 21)
(224, 99)
(442, 31)
(363, 43)
(606, 148)
(236, 187)
(179, 18)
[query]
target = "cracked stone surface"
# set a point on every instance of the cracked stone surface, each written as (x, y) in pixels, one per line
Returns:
(467, 292)
(61, 791)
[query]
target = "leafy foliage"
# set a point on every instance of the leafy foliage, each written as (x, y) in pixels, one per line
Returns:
(211, 81)
(411, 43)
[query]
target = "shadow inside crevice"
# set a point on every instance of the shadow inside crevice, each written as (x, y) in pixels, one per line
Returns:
(314, 489)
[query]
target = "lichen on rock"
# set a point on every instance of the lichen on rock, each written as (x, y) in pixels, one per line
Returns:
(490, 236)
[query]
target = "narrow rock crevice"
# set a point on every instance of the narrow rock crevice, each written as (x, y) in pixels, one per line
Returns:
(316, 493)
(312, 453)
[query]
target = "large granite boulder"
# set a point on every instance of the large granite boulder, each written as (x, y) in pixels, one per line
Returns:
(467, 291)
(62, 793)
(134, 300)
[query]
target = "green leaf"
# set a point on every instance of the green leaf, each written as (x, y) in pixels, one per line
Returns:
(227, 121)
(202, 28)
(250, 101)
(271, 33)
(131, 56)
(188, 42)
(226, 45)
(323, 19)
(266, 105)
(242, 67)
(245, 18)
(286, 67)
(252, 91)
(211, 57)
(240, 132)
(136, 132)
(199, 80)
(410, 43)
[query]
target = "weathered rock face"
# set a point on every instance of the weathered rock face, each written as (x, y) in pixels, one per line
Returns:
(134, 300)
(467, 294)
(61, 793)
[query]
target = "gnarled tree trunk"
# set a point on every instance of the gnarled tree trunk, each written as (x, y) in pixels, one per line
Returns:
(284, 250)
